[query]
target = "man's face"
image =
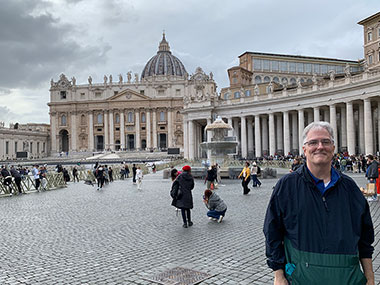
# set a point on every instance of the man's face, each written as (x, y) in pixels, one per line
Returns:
(317, 149)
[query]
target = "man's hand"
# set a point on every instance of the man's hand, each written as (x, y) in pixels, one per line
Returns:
(368, 270)
(279, 278)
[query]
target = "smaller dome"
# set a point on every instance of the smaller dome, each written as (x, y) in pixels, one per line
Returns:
(164, 63)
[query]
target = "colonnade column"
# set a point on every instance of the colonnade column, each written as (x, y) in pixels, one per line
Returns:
(185, 139)
(208, 139)
(368, 139)
(286, 133)
(257, 136)
(243, 139)
(235, 122)
(264, 132)
(137, 130)
(361, 129)
(350, 129)
(316, 114)
(295, 137)
(53, 131)
(334, 125)
(154, 127)
(230, 132)
(112, 140)
(148, 131)
(191, 140)
(73, 132)
(250, 137)
(122, 130)
(170, 128)
(301, 126)
(272, 138)
(106, 131)
(343, 126)
(279, 135)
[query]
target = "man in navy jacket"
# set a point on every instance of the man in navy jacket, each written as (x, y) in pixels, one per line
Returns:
(318, 225)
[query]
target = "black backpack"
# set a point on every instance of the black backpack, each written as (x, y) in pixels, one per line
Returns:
(258, 170)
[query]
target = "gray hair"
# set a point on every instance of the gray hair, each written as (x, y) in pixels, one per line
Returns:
(318, 125)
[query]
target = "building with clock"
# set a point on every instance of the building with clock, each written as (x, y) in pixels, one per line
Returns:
(130, 113)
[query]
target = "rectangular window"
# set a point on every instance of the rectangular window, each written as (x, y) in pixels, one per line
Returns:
(284, 66)
(339, 69)
(43, 147)
(370, 59)
(378, 33)
(316, 68)
(300, 67)
(266, 64)
(307, 67)
(63, 94)
(274, 65)
(178, 92)
(142, 92)
(31, 147)
(82, 95)
(6, 147)
(15, 146)
(324, 68)
(369, 36)
(115, 92)
(257, 64)
(292, 67)
(98, 94)
(38, 147)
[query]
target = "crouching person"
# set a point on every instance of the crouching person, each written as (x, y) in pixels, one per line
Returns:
(217, 207)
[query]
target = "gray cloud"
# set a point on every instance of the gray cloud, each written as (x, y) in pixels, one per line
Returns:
(35, 46)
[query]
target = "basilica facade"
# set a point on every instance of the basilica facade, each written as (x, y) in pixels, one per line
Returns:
(131, 113)
(272, 97)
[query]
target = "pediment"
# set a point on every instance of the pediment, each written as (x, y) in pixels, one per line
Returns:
(128, 95)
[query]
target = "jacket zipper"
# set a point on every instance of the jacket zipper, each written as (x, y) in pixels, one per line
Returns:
(325, 203)
(307, 264)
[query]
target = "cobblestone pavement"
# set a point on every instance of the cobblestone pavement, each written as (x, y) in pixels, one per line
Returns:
(120, 235)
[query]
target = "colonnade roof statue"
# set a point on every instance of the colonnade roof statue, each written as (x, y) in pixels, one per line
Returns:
(164, 63)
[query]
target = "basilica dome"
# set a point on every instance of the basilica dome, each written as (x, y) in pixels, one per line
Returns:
(164, 63)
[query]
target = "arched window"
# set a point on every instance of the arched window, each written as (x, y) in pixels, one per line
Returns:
(302, 80)
(83, 120)
(237, 95)
(258, 79)
(178, 116)
(266, 79)
(130, 117)
(293, 81)
(99, 118)
(143, 118)
(309, 81)
(247, 93)
(63, 120)
(275, 79)
(284, 81)
(162, 116)
(226, 96)
(117, 119)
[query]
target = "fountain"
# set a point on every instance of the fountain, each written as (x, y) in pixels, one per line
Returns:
(221, 145)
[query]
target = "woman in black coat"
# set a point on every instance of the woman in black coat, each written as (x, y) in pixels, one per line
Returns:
(182, 195)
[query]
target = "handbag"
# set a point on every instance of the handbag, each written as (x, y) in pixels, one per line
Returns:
(370, 189)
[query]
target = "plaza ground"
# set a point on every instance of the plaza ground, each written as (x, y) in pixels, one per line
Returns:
(120, 235)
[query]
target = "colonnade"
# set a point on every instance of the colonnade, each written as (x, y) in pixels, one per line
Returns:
(356, 127)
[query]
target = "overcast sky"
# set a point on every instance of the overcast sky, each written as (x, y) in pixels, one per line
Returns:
(39, 39)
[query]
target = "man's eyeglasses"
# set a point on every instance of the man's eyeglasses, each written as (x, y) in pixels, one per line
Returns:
(315, 143)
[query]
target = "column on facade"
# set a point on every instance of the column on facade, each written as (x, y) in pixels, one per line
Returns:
(243, 139)
(73, 131)
(295, 137)
(250, 136)
(279, 135)
(230, 132)
(272, 136)
(122, 130)
(316, 114)
(185, 139)
(361, 129)
(350, 128)
(374, 130)
(301, 127)
(208, 138)
(343, 123)
(235, 122)
(137, 130)
(106, 131)
(53, 132)
(333, 124)
(368, 139)
(170, 128)
(112, 129)
(154, 129)
(148, 130)
(257, 136)
(286, 132)
(199, 140)
(264, 132)
(191, 140)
